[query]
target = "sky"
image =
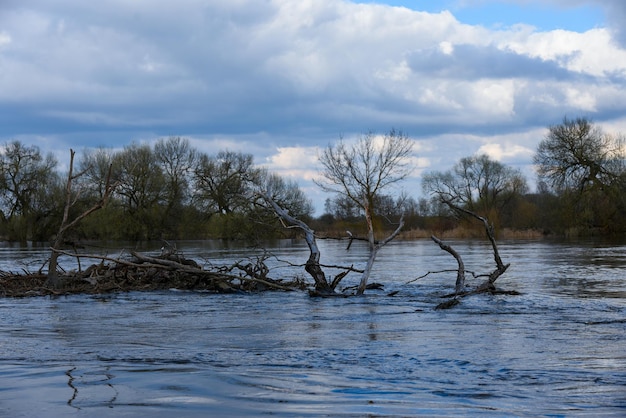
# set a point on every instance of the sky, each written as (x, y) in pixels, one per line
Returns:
(283, 79)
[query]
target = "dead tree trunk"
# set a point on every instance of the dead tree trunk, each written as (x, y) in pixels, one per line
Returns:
(322, 286)
(500, 266)
(66, 224)
(374, 248)
(460, 275)
(487, 285)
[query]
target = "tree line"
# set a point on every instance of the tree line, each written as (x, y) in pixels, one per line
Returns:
(581, 189)
(172, 191)
(166, 191)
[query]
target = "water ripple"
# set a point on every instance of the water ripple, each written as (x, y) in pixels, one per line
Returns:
(558, 349)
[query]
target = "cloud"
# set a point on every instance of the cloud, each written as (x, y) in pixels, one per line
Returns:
(5, 39)
(295, 162)
(279, 78)
(279, 66)
(616, 15)
(499, 151)
(614, 11)
(473, 62)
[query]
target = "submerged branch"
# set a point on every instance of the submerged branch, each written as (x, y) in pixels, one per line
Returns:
(312, 266)
(486, 286)
(460, 276)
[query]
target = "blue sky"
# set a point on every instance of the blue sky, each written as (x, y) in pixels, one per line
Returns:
(282, 79)
(575, 16)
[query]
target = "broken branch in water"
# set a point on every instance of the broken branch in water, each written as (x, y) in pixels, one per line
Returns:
(486, 286)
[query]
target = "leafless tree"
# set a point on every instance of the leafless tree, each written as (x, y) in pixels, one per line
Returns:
(95, 165)
(285, 193)
(360, 172)
(586, 168)
(487, 285)
(477, 183)
(324, 286)
(223, 181)
(71, 197)
(177, 159)
(312, 266)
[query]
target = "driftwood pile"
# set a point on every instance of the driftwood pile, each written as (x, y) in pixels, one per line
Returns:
(145, 273)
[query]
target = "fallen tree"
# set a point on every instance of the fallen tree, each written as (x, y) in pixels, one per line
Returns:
(132, 271)
(323, 286)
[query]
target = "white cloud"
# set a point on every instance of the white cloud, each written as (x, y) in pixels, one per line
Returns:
(279, 78)
(499, 151)
(326, 50)
(591, 52)
(295, 162)
(5, 39)
(494, 97)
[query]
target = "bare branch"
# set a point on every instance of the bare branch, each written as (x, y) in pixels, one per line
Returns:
(460, 277)
(313, 263)
(486, 286)
(66, 224)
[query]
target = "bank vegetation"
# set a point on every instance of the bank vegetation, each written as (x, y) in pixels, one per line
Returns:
(172, 191)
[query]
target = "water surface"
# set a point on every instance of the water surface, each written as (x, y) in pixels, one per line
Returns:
(558, 349)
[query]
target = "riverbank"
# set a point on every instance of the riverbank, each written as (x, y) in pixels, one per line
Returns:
(461, 232)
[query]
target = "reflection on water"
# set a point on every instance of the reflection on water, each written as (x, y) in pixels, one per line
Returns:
(558, 349)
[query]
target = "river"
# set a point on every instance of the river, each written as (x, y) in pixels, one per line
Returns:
(557, 349)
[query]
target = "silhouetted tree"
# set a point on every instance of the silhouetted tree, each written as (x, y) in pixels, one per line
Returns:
(95, 164)
(576, 154)
(222, 182)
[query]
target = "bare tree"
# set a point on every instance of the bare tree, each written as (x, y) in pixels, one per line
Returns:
(285, 193)
(95, 165)
(177, 159)
(477, 183)
(474, 184)
(312, 266)
(71, 197)
(323, 285)
(141, 190)
(360, 173)
(489, 284)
